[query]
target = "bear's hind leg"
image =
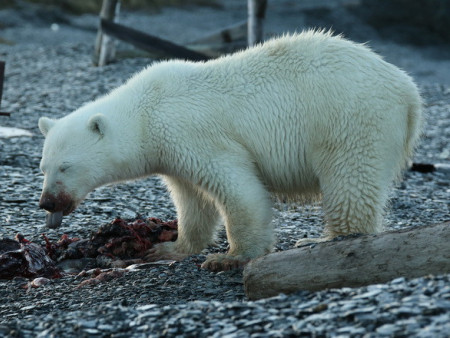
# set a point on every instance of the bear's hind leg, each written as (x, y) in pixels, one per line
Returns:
(354, 202)
(197, 220)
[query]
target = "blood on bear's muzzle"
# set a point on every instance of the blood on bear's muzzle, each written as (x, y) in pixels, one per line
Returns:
(47, 204)
(57, 206)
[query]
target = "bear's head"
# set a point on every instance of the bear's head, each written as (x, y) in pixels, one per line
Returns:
(79, 155)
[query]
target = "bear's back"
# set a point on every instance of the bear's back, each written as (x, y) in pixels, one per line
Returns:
(281, 102)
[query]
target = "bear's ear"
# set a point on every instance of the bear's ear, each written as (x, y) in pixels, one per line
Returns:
(45, 124)
(97, 124)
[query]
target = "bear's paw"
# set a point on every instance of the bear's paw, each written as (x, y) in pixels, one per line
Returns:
(164, 251)
(222, 262)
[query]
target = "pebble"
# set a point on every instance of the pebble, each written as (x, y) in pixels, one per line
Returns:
(387, 330)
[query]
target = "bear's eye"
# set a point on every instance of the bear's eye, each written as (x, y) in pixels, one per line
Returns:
(63, 167)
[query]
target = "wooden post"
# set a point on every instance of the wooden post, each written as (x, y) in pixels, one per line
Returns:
(2, 73)
(351, 262)
(104, 46)
(256, 14)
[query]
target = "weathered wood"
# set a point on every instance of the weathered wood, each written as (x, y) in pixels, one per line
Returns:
(228, 34)
(104, 51)
(256, 14)
(224, 40)
(351, 262)
(150, 43)
(2, 74)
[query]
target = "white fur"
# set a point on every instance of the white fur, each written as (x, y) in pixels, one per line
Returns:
(301, 115)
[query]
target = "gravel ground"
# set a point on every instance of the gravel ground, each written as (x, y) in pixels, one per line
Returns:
(49, 72)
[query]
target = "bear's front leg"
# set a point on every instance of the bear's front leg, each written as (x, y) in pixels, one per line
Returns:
(246, 206)
(197, 219)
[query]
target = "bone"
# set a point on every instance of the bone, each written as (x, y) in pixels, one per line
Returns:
(54, 219)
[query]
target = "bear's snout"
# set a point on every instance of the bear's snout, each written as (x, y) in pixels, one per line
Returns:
(61, 202)
(47, 203)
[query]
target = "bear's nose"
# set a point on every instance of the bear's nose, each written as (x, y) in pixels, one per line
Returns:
(47, 204)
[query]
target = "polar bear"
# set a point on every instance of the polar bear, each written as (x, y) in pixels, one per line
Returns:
(304, 115)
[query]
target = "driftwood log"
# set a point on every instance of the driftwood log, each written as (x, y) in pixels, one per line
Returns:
(351, 262)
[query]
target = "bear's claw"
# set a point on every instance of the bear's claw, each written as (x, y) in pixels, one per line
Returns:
(164, 251)
(222, 262)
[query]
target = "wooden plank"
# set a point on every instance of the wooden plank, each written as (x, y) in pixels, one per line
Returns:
(351, 262)
(237, 31)
(222, 41)
(149, 42)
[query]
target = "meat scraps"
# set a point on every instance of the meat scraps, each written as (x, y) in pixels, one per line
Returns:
(101, 276)
(25, 259)
(121, 240)
(126, 240)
